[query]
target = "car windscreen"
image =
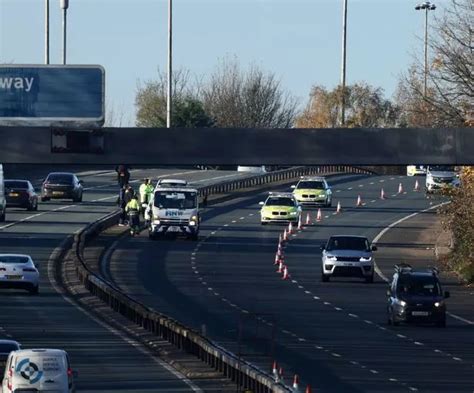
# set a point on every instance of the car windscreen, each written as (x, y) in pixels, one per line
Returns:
(16, 184)
(280, 202)
(348, 243)
(419, 286)
(13, 259)
(311, 185)
(175, 200)
(442, 168)
(8, 347)
(60, 179)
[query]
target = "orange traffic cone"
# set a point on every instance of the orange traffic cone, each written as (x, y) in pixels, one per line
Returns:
(308, 389)
(286, 275)
(280, 267)
(277, 259)
(300, 225)
(290, 228)
(338, 209)
(285, 235)
(275, 369)
(382, 194)
(359, 201)
(319, 216)
(296, 382)
(308, 219)
(280, 373)
(400, 188)
(417, 186)
(280, 239)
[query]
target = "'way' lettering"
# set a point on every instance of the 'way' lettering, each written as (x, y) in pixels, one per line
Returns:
(17, 83)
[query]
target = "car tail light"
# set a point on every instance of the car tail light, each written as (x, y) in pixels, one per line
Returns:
(69, 372)
(29, 269)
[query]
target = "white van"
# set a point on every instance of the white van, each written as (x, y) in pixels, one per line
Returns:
(38, 370)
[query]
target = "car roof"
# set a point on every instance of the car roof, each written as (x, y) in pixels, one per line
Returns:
(15, 255)
(17, 180)
(346, 236)
(61, 173)
(312, 178)
(281, 195)
(9, 342)
(36, 351)
(176, 189)
(164, 181)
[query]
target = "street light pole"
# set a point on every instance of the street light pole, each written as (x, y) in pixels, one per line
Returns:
(343, 64)
(46, 31)
(426, 6)
(64, 6)
(169, 112)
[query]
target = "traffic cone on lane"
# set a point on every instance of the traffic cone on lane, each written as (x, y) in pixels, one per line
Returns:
(280, 373)
(290, 228)
(296, 386)
(280, 239)
(277, 259)
(382, 194)
(400, 188)
(417, 186)
(286, 275)
(280, 267)
(285, 236)
(308, 389)
(308, 219)
(300, 225)
(275, 370)
(319, 216)
(338, 209)
(359, 201)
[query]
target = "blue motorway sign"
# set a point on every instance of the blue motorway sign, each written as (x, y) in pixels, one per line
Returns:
(52, 95)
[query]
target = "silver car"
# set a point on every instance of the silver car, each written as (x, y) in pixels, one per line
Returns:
(347, 256)
(441, 176)
(19, 272)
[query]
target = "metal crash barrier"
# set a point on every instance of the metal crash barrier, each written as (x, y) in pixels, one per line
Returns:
(231, 366)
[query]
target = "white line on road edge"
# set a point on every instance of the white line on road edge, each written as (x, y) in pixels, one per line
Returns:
(393, 224)
(112, 330)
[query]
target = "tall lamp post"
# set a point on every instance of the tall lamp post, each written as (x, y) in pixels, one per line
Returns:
(169, 98)
(46, 31)
(426, 6)
(64, 6)
(343, 63)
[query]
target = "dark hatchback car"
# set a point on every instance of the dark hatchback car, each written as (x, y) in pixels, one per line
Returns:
(62, 185)
(7, 346)
(20, 193)
(415, 295)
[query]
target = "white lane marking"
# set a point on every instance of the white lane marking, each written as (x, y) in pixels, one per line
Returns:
(381, 181)
(336, 355)
(460, 318)
(338, 190)
(337, 308)
(137, 345)
(371, 183)
(353, 315)
(374, 371)
(214, 178)
(373, 200)
(401, 336)
(350, 188)
(368, 322)
(307, 292)
(457, 359)
(316, 297)
(417, 343)
(361, 185)
(327, 303)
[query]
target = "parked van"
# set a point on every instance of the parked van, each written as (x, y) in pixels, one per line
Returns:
(3, 202)
(38, 370)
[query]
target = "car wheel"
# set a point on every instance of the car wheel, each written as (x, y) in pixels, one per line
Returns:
(324, 277)
(34, 290)
(31, 206)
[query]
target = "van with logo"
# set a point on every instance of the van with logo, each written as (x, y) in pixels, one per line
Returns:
(3, 202)
(38, 370)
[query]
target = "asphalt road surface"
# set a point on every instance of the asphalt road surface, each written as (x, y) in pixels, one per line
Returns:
(334, 335)
(105, 360)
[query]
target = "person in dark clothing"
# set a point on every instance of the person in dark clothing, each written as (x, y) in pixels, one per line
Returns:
(125, 196)
(123, 174)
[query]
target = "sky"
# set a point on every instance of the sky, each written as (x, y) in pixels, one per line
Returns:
(298, 40)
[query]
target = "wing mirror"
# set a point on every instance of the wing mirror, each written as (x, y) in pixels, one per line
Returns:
(261, 203)
(81, 182)
(446, 294)
(322, 247)
(389, 293)
(373, 248)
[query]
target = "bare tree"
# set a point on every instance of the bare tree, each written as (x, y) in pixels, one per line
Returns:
(450, 96)
(254, 98)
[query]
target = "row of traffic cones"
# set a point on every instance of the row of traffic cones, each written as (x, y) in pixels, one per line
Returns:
(278, 376)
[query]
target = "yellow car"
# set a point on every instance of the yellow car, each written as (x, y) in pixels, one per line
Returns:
(415, 170)
(280, 208)
(312, 190)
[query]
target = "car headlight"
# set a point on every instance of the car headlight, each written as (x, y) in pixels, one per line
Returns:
(331, 258)
(402, 303)
(156, 222)
(293, 213)
(363, 259)
(439, 304)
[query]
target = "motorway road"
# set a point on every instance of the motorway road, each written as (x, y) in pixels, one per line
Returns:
(334, 335)
(106, 362)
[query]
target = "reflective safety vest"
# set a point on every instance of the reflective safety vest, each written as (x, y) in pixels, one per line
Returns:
(145, 191)
(132, 205)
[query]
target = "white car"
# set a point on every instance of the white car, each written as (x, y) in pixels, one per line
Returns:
(19, 272)
(440, 176)
(38, 370)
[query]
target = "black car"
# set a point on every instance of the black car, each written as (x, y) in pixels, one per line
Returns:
(415, 295)
(62, 185)
(7, 346)
(20, 193)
